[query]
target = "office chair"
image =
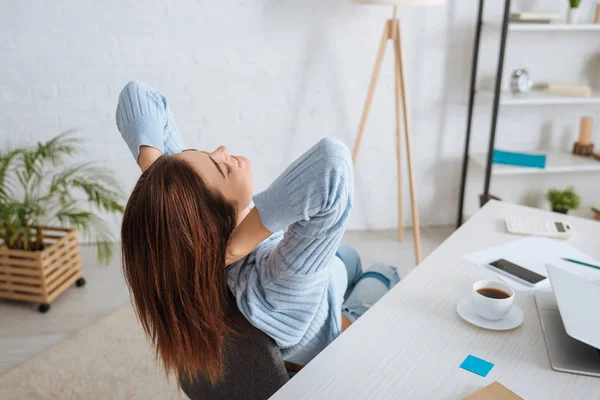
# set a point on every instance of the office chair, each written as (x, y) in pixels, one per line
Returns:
(254, 368)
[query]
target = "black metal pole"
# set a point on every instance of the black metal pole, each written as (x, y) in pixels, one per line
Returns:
(488, 169)
(465, 160)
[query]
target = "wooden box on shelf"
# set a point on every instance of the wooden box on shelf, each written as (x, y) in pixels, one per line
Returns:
(41, 276)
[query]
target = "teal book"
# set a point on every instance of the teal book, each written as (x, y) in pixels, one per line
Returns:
(519, 159)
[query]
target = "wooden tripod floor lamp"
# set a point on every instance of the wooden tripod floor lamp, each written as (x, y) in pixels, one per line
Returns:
(391, 31)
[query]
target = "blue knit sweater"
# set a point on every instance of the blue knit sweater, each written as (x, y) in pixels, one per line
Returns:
(292, 285)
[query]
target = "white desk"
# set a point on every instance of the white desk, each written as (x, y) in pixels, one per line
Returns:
(411, 343)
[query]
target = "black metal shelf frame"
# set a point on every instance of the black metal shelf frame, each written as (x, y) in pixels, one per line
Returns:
(495, 107)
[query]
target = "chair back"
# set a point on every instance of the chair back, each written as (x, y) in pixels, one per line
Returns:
(254, 368)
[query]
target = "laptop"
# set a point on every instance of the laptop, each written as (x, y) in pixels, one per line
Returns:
(570, 322)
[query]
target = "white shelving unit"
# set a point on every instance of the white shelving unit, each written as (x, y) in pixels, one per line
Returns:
(538, 98)
(556, 162)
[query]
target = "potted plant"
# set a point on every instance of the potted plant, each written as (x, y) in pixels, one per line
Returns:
(573, 13)
(42, 205)
(563, 200)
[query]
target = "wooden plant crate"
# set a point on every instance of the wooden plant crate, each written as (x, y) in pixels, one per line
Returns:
(42, 276)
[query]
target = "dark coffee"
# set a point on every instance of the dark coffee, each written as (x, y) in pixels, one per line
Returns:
(493, 293)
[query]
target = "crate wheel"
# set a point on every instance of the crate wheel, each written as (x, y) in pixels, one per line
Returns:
(80, 282)
(43, 307)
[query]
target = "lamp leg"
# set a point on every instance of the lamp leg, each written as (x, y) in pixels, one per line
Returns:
(406, 114)
(399, 149)
(371, 92)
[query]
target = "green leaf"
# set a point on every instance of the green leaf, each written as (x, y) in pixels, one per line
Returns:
(36, 188)
(26, 238)
(13, 238)
(7, 181)
(563, 199)
(55, 149)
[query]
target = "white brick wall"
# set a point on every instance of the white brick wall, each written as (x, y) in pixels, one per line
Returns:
(266, 78)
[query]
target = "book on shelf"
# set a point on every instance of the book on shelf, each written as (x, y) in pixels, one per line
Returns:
(519, 159)
(534, 17)
(532, 21)
(564, 89)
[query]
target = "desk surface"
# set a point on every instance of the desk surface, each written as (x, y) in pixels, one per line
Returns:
(411, 343)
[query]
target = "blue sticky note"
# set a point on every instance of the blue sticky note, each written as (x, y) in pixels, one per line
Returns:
(477, 365)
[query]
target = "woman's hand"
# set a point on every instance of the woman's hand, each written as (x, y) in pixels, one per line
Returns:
(249, 233)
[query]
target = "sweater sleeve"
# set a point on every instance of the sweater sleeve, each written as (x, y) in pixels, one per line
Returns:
(142, 116)
(316, 185)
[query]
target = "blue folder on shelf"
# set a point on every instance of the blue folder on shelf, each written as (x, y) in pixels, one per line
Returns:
(519, 159)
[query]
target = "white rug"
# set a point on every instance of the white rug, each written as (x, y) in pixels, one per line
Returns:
(110, 359)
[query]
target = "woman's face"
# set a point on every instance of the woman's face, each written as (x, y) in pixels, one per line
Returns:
(229, 175)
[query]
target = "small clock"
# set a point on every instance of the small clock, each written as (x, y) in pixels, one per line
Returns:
(520, 82)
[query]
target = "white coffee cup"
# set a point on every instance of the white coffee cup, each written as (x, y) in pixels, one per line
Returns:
(488, 307)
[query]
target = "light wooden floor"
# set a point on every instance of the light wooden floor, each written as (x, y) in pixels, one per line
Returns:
(25, 332)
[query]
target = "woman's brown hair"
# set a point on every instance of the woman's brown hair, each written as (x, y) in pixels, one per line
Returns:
(175, 230)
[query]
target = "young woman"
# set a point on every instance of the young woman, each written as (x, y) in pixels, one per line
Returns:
(188, 218)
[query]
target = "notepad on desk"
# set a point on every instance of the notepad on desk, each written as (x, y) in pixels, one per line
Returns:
(494, 391)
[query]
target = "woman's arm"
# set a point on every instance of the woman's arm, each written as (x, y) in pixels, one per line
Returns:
(309, 188)
(147, 157)
(283, 290)
(298, 194)
(146, 124)
(292, 198)
(249, 233)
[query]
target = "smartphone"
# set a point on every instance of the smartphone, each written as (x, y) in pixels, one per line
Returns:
(517, 272)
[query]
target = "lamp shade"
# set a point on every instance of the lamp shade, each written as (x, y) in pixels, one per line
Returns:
(400, 2)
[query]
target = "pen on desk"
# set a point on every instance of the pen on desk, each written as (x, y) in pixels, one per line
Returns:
(581, 263)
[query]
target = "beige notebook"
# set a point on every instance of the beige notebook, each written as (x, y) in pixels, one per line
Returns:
(494, 391)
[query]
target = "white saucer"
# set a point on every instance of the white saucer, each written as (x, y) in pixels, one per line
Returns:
(511, 321)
